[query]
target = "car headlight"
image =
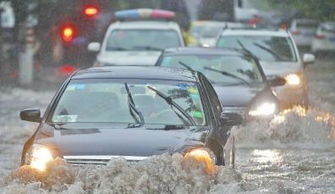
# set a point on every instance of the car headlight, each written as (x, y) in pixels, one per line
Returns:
(264, 109)
(202, 155)
(39, 157)
(293, 79)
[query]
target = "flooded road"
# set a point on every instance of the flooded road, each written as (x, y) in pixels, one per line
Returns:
(295, 153)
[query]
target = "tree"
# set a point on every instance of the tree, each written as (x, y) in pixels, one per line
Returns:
(322, 10)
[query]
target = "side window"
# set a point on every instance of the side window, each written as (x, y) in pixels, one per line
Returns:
(214, 100)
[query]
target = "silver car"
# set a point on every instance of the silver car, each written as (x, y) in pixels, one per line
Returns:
(278, 55)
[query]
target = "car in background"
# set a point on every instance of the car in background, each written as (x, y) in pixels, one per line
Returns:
(138, 38)
(302, 31)
(131, 112)
(278, 55)
(236, 76)
(210, 30)
(324, 39)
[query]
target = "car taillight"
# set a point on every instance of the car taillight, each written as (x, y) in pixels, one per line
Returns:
(68, 32)
(91, 10)
(319, 36)
(296, 32)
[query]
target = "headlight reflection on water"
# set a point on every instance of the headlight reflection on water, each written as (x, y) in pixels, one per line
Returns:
(267, 156)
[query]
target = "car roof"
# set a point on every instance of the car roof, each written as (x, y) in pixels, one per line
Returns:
(136, 72)
(203, 50)
(255, 32)
(150, 24)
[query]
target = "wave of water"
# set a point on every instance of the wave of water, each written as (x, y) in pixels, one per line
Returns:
(159, 174)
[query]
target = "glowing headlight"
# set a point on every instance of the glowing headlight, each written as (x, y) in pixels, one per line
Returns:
(202, 155)
(264, 109)
(293, 79)
(39, 157)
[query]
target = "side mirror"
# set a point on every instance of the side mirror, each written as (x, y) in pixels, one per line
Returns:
(276, 81)
(231, 119)
(94, 47)
(33, 115)
(308, 59)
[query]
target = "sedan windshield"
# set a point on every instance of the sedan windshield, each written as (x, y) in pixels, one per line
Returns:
(142, 40)
(266, 48)
(130, 102)
(224, 70)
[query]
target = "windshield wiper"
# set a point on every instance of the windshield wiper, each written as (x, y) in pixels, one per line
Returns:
(151, 48)
(133, 109)
(186, 66)
(276, 55)
(227, 74)
(117, 49)
(171, 102)
(247, 50)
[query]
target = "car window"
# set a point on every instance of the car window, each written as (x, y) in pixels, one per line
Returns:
(243, 67)
(142, 40)
(107, 101)
(328, 27)
(266, 48)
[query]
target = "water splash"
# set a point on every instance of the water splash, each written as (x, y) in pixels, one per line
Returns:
(295, 127)
(159, 174)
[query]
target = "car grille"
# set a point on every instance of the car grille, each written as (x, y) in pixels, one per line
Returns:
(99, 160)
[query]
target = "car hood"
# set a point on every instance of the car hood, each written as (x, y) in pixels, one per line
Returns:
(238, 95)
(129, 57)
(280, 68)
(122, 142)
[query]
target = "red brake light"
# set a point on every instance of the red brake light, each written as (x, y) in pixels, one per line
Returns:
(318, 36)
(91, 10)
(68, 32)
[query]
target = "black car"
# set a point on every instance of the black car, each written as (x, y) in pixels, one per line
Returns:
(131, 112)
(236, 76)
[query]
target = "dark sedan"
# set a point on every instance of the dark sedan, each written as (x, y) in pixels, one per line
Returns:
(236, 76)
(131, 112)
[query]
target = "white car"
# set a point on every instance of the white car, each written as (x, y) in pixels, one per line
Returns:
(324, 39)
(211, 30)
(303, 31)
(137, 38)
(278, 55)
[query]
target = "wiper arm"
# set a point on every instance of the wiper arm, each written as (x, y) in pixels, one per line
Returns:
(151, 48)
(246, 50)
(227, 74)
(133, 109)
(186, 66)
(117, 48)
(278, 57)
(171, 102)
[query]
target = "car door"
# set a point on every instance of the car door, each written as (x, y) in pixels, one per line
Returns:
(220, 133)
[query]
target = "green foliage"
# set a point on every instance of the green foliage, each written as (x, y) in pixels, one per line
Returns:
(318, 9)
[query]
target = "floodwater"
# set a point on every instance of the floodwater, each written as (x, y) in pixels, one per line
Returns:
(294, 153)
